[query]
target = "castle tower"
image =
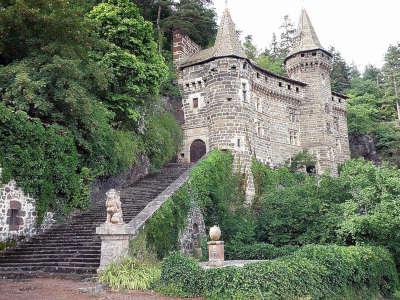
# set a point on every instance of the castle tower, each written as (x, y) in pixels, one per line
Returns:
(310, 63)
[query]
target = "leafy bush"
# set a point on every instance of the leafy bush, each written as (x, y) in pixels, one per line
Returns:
(257, 251)
(213, 186)
(183, 273)
(130, 274)
(317, 272)
(163, 228)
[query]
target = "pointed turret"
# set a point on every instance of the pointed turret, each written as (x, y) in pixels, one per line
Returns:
(227, 43)
(306, 38)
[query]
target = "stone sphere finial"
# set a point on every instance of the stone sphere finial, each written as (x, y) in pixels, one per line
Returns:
(215, 233)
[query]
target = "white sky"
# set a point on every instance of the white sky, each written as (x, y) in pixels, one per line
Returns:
(361, 30)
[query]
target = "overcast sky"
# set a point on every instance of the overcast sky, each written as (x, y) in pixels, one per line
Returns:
(361, 30)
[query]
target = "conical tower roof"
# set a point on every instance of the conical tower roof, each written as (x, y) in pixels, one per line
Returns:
(227, 42)
(306, 38)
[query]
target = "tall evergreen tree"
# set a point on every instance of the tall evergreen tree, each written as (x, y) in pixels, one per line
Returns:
(340, 75)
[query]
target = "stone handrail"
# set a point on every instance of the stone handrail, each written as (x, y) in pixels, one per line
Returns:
(140, 219)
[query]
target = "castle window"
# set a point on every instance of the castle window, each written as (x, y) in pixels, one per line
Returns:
(302, 55)
(14, 218)
(336, 122)
(328, 127)
(233, 68)
(244, 66)
(199, 84)
(229, 99)
(340, 100)
(297, 89)
(258, 75)
(187, 85)
(289, 87)
(238, 143)
(293, 137)
(194, 85)
(280, 84)
(333, 99)
(244, 92)
(314, 54)
(292, 115)
(195, 102)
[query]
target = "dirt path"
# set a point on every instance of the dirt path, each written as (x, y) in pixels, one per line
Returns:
(60, 289)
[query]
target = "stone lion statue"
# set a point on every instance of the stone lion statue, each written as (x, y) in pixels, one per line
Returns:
(113, 208)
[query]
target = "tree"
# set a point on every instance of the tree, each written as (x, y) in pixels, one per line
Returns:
(135, 69)
(340, 75)
(249, 48)
(288, 34)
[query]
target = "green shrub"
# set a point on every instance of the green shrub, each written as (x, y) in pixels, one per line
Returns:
(213, 186)
(234, 251)
(163, 228)
(315, 272)
(183, 273)
(130, 274)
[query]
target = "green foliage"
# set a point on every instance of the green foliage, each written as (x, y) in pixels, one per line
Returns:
(320, 272)
(249, 47)
(360, 206)
(257, 251)
(75, 94)
(130, 274)
(162, 230)
(135, 68)
(183, 273)
(300, 161)
(213, 187)
(44, 160)
(162, 139)
(270, 63)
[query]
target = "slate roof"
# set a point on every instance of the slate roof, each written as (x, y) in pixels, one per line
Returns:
(227, 43)
(306, 38)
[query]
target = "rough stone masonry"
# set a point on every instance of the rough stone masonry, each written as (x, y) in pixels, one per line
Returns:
(230, 103)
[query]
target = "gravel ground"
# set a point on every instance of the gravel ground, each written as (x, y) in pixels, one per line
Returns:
(63, 289)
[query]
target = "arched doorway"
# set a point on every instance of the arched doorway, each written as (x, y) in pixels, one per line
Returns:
(197, 150)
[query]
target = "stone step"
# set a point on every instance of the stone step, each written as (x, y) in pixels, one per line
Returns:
(73, 248)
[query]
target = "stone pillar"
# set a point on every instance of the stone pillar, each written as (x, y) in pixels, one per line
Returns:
(114, 243)
(216, 256)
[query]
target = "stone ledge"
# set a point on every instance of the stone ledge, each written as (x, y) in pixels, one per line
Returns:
(229, 263)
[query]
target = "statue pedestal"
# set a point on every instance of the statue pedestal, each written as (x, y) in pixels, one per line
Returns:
(216, 255)
(114, 243)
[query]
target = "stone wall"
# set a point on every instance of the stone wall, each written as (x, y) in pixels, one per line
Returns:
(182, 46)
(194, 231)
(17, 212)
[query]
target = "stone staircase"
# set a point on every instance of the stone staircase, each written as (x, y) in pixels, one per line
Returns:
(72, 249)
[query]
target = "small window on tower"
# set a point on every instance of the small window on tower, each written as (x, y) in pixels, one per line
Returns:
(302, 55)
(280, 84)
(244, 91)
(289, 87)
(238, 143)
(258, 75)
(297, 89)
(314, 54)
(244, 66)
(195, 102)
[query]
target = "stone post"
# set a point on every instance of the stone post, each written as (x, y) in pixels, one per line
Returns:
(114, 233)
(114, 243)
(216, 254)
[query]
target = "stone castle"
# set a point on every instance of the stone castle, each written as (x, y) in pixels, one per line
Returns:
(230, 103)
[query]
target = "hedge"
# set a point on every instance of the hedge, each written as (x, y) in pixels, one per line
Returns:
(317, 272)
(234, 251)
